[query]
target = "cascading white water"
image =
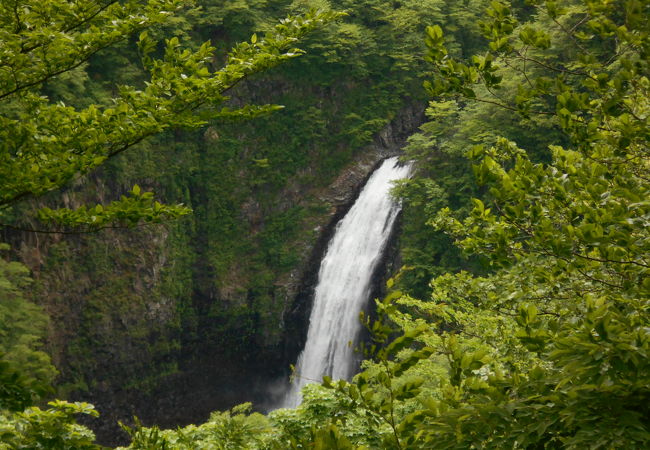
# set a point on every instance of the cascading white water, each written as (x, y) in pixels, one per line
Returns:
(344, 279)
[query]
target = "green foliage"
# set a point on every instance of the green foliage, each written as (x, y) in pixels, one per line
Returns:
(53, 428)
(123, 213)
(25, 370)
(234, 429)
(45, 145)
(549, 348)
(444, 175)
(16, 390)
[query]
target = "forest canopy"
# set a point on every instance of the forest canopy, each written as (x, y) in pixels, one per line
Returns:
(47, 144)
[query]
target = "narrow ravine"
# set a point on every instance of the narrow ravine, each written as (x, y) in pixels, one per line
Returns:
(344, 282)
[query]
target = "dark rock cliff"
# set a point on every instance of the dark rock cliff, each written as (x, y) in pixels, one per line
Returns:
(139, 327)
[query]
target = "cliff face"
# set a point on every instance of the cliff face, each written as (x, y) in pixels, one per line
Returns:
(213, 376)
(171, 322)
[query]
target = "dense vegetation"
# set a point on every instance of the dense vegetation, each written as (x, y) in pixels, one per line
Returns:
(520, 318)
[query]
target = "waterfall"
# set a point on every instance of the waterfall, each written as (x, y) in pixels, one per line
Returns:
(344, 280)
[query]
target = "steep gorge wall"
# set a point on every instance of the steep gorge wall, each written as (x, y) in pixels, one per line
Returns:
(245, 357)
(143, 323)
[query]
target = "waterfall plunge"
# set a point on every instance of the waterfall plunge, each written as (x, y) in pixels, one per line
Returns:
(344, 280)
